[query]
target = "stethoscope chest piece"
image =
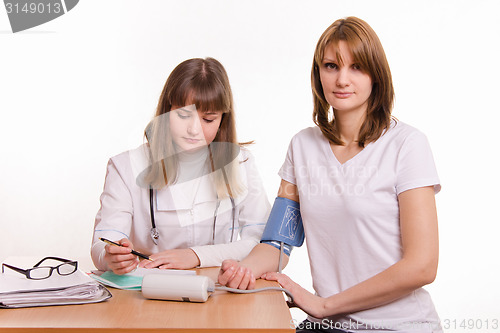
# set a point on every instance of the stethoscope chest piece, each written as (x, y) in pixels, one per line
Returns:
(155, 235)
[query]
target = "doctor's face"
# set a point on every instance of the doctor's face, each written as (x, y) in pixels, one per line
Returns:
(192, 129)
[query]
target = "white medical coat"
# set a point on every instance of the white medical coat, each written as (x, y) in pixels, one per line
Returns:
(184, 213)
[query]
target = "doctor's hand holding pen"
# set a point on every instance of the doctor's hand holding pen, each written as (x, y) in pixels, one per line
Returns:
(120, 258)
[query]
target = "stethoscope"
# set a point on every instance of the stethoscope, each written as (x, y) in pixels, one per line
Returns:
(155, 234)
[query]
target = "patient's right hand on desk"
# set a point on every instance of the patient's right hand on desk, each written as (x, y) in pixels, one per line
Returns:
(119, 258)
(234, 275)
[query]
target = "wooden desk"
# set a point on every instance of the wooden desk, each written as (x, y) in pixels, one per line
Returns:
(129, 311)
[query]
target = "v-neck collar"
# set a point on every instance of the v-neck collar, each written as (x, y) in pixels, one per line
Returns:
(331, 155)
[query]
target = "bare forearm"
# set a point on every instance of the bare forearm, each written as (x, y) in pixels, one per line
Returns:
(264, 258)
(395, 282)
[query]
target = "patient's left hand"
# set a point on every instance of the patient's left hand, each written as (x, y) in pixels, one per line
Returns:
(311, 304)
(172, 259)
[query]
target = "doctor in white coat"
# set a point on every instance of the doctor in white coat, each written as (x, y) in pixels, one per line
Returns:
(190, 197)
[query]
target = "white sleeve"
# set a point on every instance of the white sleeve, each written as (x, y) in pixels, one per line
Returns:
(415, 164)
(253, 213)
(114, 218)
(287, 170)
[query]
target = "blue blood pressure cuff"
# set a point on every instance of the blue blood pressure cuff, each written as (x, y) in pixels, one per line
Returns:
(284, 225)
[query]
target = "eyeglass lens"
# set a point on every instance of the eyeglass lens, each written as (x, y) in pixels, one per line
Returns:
(66, 269)
(40, 272)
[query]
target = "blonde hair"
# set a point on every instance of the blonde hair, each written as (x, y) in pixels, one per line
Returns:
(368, 53)
(204, 83)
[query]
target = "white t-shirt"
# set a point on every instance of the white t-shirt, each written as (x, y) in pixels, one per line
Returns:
(350, 214)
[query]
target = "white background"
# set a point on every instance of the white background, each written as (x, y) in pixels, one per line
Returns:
(80, 89)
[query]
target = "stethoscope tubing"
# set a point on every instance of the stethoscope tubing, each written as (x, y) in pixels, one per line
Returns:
(155, 234)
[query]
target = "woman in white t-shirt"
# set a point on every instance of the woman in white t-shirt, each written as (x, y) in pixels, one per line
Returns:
(189, 197)
(366, 184)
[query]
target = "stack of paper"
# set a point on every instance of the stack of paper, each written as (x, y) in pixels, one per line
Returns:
(16, 291)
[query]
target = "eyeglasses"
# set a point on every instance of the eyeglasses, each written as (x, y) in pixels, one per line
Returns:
(42, 272)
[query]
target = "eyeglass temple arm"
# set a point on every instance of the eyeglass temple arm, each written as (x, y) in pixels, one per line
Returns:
(20, 270)
(53, 258)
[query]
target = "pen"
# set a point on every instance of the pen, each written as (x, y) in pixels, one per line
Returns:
(143, 256)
